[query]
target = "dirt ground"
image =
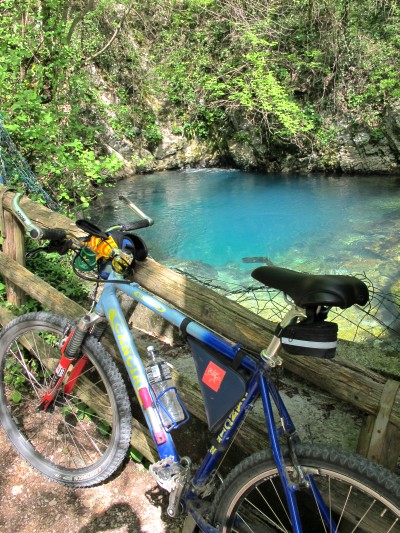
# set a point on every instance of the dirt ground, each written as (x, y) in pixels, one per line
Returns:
(29, 503)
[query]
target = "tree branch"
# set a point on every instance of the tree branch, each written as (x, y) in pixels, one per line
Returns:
(79, 18)
(112, 39)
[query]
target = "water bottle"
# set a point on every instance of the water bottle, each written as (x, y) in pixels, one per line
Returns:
(160, 379)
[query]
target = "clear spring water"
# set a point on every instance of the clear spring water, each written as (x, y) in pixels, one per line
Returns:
(238, 220)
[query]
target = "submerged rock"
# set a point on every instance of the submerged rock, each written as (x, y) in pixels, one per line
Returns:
(263, 259)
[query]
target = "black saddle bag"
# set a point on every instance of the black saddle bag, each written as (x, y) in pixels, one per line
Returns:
(317, 339)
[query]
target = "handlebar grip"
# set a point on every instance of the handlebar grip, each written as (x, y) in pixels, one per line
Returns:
(137, 225)
(51, 234)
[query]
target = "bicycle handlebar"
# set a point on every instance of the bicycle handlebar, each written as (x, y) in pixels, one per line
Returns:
(61, 241)
(105, 244)
(56, 234)
(51, 234)
(35, 232)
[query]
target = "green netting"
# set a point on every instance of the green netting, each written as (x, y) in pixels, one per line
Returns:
(14, 170)
(375, 328)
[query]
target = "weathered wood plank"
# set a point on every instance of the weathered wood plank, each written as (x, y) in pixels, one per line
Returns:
(37, 289)
(201, 303)
(141, 438)
(347, 384)
(379, 439)
(224, 316)
(354, 385)
(39, 214)
(14, 247)
(388, 397)
(188, 387)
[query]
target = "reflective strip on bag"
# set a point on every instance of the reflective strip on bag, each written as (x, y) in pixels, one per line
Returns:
(309, 344)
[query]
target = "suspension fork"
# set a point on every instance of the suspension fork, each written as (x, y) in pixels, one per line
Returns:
(69, 355)
(55, 383)
(96, 331)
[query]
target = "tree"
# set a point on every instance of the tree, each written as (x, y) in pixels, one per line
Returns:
(47, 97)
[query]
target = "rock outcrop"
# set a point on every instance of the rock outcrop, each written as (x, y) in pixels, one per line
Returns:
(351, 149)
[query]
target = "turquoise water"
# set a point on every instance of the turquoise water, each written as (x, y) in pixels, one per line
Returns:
(233, 219)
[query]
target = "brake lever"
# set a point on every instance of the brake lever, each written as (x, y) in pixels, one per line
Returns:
(61, 247)
(34, 252)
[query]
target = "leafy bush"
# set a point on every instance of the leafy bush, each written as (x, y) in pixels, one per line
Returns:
(47, 96)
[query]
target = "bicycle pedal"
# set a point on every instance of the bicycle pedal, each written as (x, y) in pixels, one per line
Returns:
(170, 474)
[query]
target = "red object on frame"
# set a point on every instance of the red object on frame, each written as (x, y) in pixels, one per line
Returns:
(213, 376)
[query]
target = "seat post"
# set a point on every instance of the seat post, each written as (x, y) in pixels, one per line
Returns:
(269, 355)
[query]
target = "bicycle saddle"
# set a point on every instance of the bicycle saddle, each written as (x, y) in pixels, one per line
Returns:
(312, 289)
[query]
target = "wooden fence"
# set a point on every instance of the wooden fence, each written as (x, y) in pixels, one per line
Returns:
(367, 391)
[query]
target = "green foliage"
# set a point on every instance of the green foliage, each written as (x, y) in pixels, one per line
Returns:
(16, 396)
(2, 291)
(82, 411)
(151, 132)
(14, 378)
(17, 379)
(143, 164)
(123, 121)
(47, 97)
(208, 67)
(135, 455)
(221, 67)
(57, 271)
(279, 65)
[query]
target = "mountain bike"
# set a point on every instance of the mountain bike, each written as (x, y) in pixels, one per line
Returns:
(65, 408)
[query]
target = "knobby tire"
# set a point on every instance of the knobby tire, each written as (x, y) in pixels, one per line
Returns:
(360, 495)
(84, 436)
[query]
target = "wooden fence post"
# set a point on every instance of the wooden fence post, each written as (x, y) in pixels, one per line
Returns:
(14, 247)
(379, 439)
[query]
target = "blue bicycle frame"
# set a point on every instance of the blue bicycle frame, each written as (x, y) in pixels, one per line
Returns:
(258, 385)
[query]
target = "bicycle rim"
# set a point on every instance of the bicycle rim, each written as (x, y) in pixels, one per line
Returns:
(78, 441)
(355, 503)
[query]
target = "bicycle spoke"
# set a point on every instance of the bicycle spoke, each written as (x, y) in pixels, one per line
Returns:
(78, 448)
(256, 501)
(20, 359)
(318, 507)
(267, 519)
(85, 427)
(344, 507)
(79, 442)
(364, 515)
(282, 504)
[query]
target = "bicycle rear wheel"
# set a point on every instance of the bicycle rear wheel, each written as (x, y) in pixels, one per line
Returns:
(84, 435)
(359, 495)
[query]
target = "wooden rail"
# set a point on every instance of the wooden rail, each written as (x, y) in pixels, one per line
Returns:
(378, 397)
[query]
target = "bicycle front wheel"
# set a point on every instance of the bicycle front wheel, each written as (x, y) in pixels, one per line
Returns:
(82, 438)
(359, 496)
